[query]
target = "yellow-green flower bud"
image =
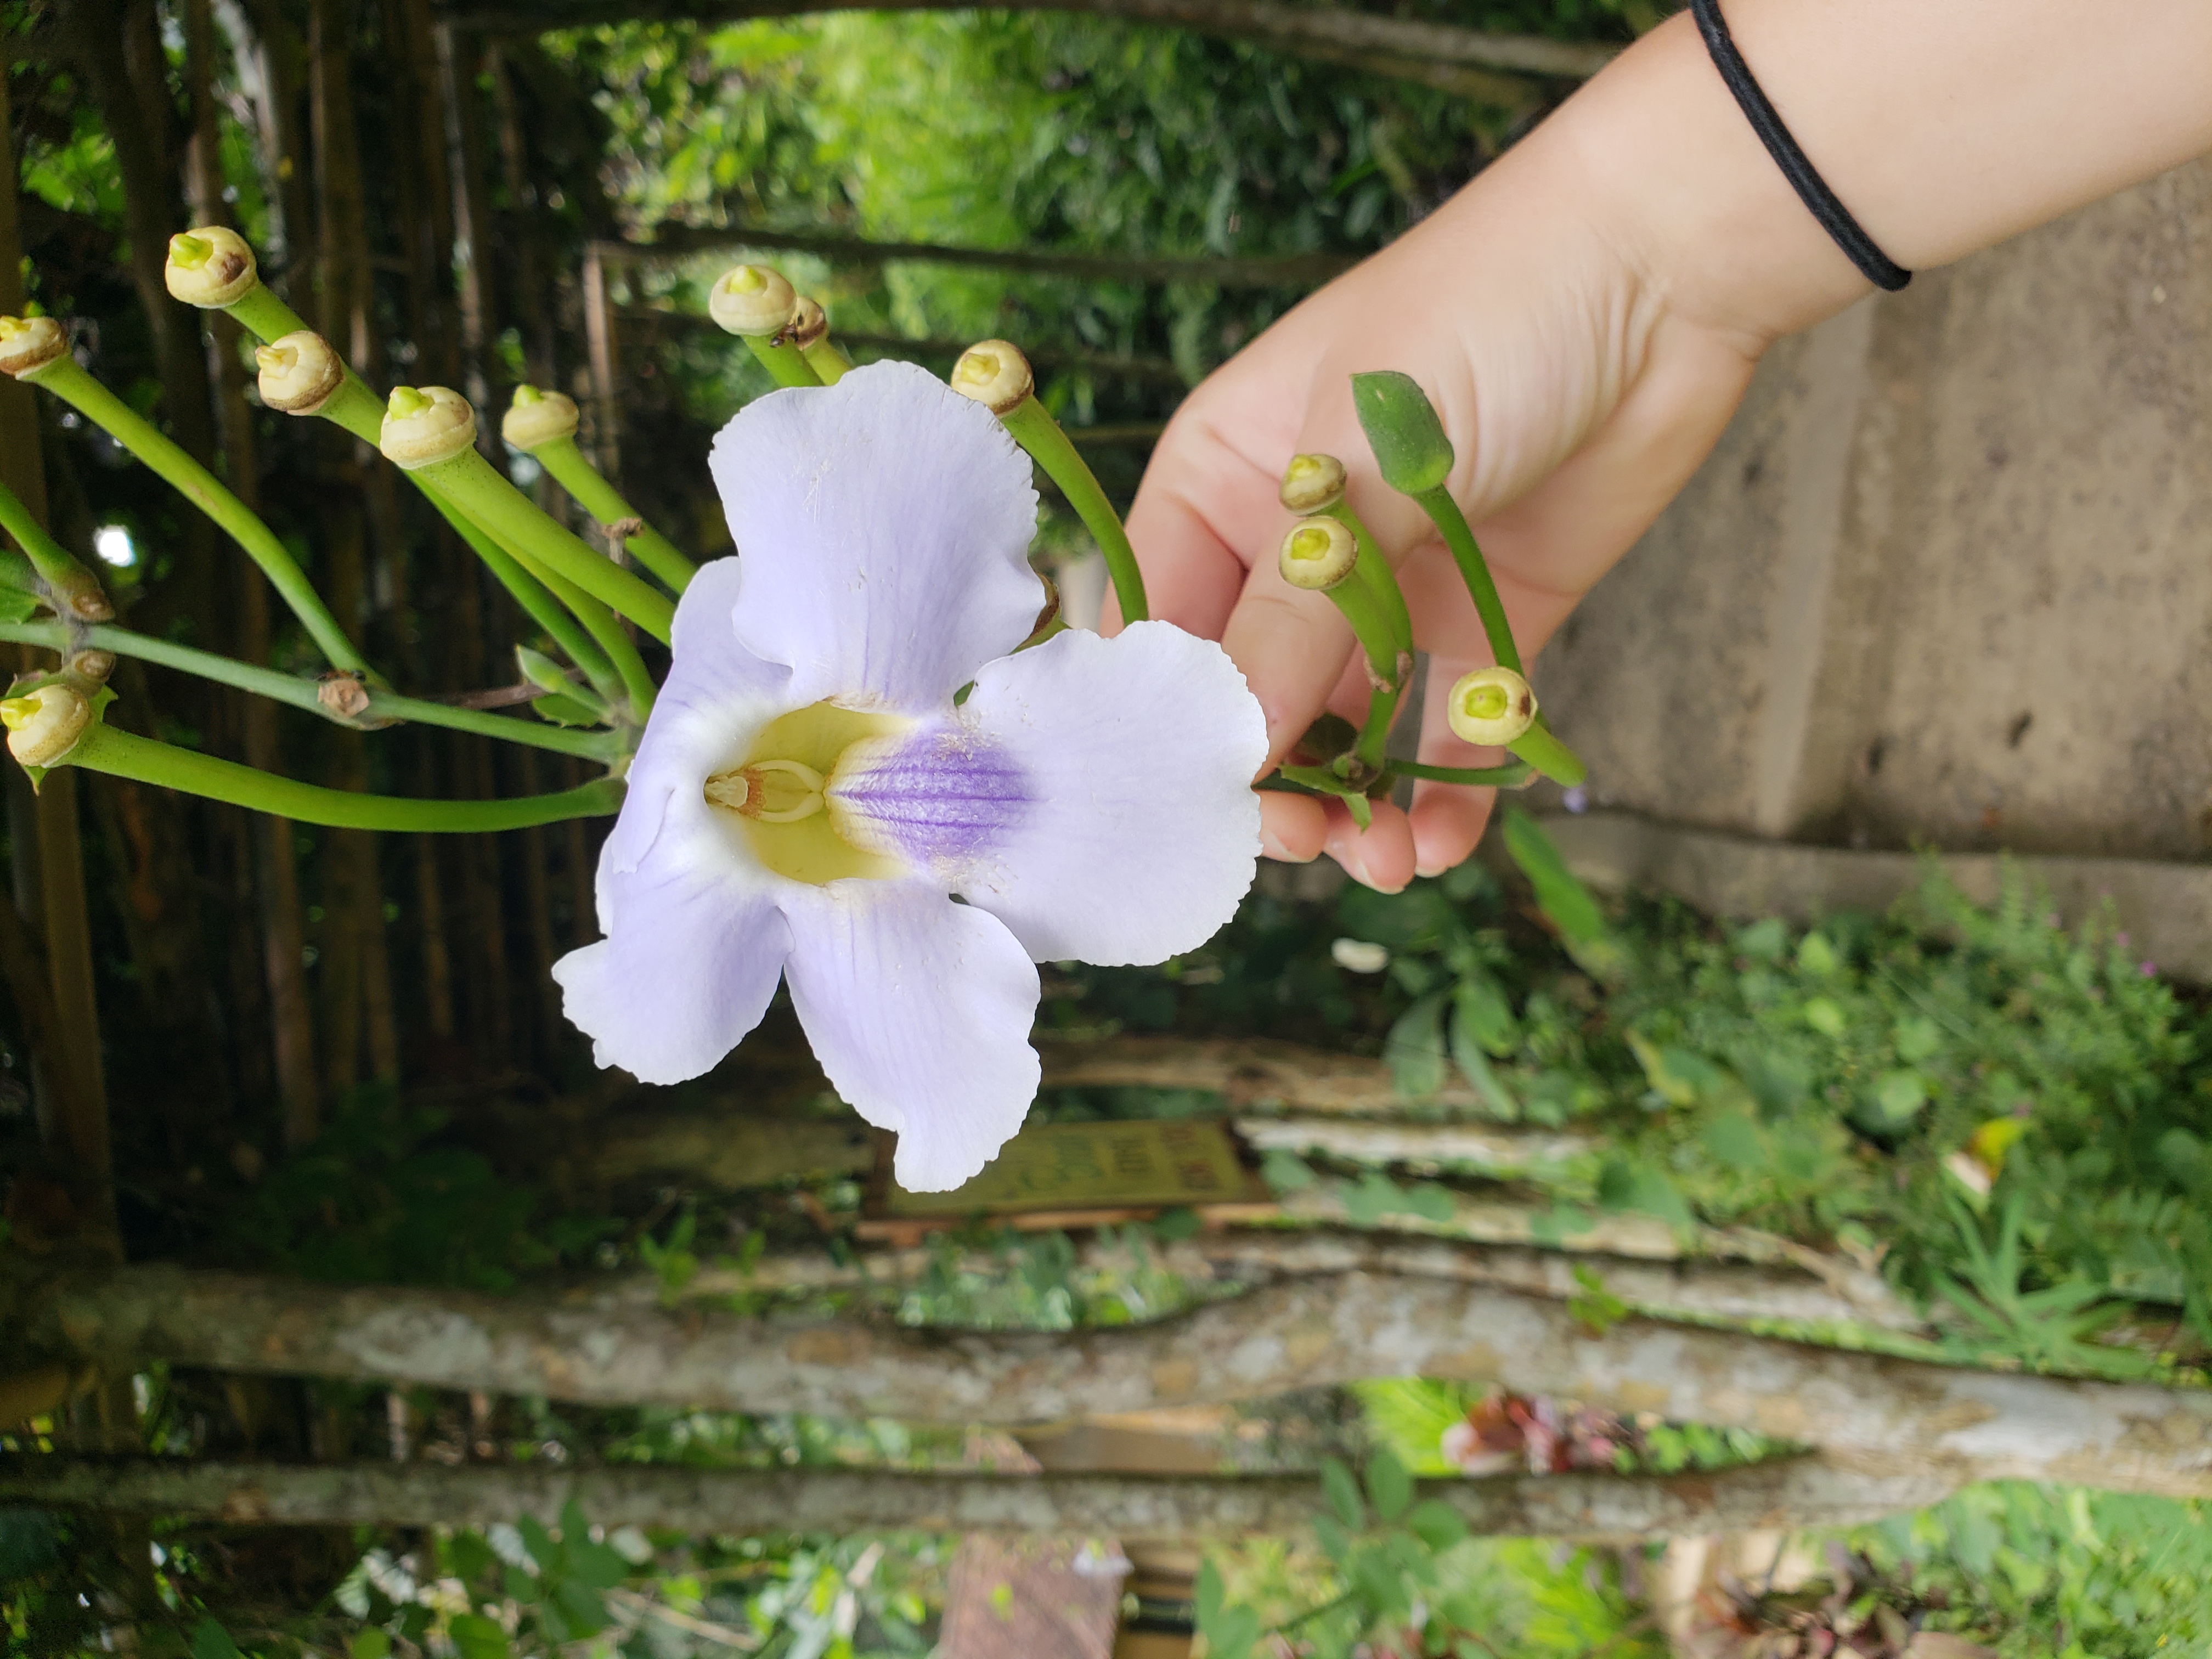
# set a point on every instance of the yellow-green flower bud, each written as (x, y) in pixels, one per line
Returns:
(541, 670)
(995, 374)
(1312, 483)
(1318, 554)
(90, 665)
(210, 267)
(425, 425)
(300, 373)
(807, 324)
(751, 300)
(536, 417)
(45, 723)
(1402, 430)
(27, 344)
(1490, 707)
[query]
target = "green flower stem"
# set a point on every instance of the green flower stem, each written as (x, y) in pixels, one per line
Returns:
(46, 568)
(68, 381)
(125, 755)
(1474, 570)
(355, 407)
(1375, 571)
(279, 687)
(472, 483)
(786, 364)
(634, 685)
(1512, 775)
(1367, 754)
(267, 317)
(1544, 751)
(598, 497)
(1356, 600)
(1035, 431)
(827, 363)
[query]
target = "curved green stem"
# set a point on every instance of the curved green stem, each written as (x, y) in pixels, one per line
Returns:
(827, 362)
(1544, 751)
(52, 573)
(606, 631)
(1035, 431)
(290, 688)
(1474, 571)
(267, 317)
(125, 755)
(68, 381)
(788, 364)
(1512, 775)
(355, 407)
(1375, 571)
(470, 483)
(603, 502)
(1367, 753)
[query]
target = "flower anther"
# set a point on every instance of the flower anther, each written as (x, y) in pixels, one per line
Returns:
(27, 344)
(1490, 706)
(45, 723)
(210, 267)
(1318, 553)
(807, 800)
(299, 372)
(751, 300)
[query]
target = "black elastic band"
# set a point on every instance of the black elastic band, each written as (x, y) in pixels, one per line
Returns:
(1835, 218)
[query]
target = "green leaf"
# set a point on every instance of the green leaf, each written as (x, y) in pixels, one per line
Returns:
(1898, 1097)
(1483, 1013)
(1559, 895)
(1343, 1493)
(1825, 1017)
(1431, 1202)
(1376, 1196)
(1732, 1139)
(467, 1556)
(582, 1608)
(16, 605)
(1411, 450)
(1206, 1595)
(1389, 1487)
(1414, 1049)
(211, 1641)
(1284, 1171)
(1436, 1524)
(1816, 956)
(1334, 1540)
(1173, 1226)
(1626, 1184)
(370, 1644)
(520, 1586)
(537, 1542)
(476, 1636)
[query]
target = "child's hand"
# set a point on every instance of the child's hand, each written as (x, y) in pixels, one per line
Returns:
(1585, 316)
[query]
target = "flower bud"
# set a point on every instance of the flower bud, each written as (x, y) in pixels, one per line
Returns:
(1312, 483)
(1490, 707)
(45, 723)
(995, 374)
(1318, 554)
(300, 373)
(541, 670)
(1403, 430)
(426, 425)
(807, 323)
(90, 665)
(29, 343)
(751, 300)
(210, 267)
(536, 417)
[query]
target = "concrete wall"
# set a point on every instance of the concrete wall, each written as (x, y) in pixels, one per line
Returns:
(1948, 577)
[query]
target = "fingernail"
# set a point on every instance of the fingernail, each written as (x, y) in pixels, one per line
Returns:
(1272, 848)
(1428, 871)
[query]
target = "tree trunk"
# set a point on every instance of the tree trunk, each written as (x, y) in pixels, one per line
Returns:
(1319, 1332)
(1792, 1492)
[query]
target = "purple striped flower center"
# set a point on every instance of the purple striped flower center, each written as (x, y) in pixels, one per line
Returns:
(935, 796)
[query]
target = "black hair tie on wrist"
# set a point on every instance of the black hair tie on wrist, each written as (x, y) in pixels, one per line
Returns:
(1835, 218)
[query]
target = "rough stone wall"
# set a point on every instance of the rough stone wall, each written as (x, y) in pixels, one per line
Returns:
(1946, 579)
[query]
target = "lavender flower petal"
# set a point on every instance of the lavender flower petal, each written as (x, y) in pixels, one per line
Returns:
(1139, 752)
(884, 525)
(919, 1009)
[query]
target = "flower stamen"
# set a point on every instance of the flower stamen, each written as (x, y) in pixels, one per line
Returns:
(770, 791)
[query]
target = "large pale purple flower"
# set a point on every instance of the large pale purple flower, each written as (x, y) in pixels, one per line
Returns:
(808, 800)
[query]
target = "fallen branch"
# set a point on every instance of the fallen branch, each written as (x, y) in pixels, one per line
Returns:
(1789, 1493)
(1305, 1334)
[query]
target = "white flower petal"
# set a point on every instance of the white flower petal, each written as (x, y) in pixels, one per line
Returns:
(884, 525)
(690, 971)
(920, 1010)
(1143, 833)
(718, 696)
